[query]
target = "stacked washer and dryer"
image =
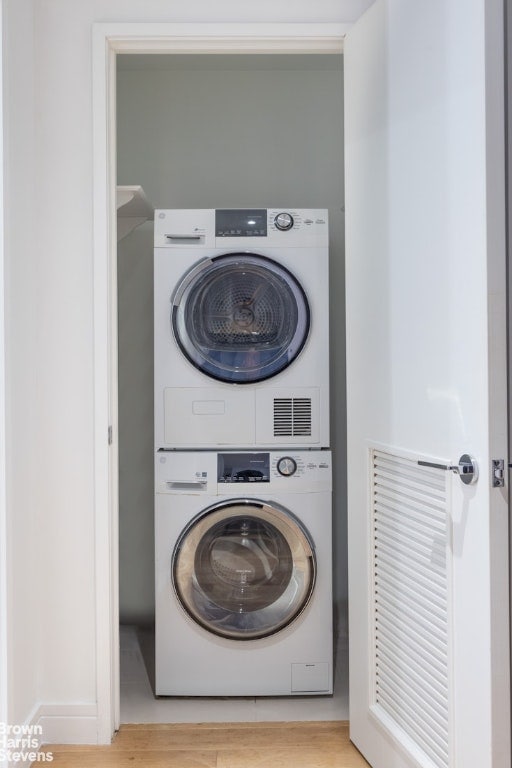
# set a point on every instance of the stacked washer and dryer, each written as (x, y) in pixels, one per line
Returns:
(243, 508)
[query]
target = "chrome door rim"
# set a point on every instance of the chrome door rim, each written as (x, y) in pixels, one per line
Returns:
(248, 327)
(244, 592)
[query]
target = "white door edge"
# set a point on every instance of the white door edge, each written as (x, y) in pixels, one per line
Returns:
(108, 40)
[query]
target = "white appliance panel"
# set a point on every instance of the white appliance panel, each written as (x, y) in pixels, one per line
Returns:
(191, 661)
(206, 416)
(241, 413)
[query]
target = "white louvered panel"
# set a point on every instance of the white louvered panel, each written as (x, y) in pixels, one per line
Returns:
(428, 697)
(413, 548)
(387, 566)
(407, 659)
(412, 605)
(410, 536)
(400, 636)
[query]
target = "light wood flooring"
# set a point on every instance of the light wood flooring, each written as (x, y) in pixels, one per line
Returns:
(218, 745)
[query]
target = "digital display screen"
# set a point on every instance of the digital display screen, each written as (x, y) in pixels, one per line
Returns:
(243, 467)
(241, 222)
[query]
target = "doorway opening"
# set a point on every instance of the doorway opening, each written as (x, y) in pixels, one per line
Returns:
(109, 40)
(216, 131)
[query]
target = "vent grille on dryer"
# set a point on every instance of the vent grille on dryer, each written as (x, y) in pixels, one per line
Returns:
(292, 417)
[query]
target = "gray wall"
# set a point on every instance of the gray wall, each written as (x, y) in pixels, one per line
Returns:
(136, 446)
(210, 132)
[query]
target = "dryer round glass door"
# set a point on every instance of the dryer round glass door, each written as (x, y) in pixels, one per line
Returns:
(244, 569)
(240, 317)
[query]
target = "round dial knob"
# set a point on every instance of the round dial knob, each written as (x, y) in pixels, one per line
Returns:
(287, 466)
(283, 221)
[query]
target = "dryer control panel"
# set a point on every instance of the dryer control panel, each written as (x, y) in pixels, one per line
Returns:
(241, 228)
(241, 222)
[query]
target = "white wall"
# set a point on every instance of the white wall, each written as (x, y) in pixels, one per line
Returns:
(22, 353)
(50, 325)
(204, 132)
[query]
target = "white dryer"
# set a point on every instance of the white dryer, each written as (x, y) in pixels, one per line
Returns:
(243, 573)
(241, 328)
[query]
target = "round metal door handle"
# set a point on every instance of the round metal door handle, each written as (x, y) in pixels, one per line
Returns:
(466, 469)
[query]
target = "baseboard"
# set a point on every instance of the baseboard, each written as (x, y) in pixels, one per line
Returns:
(29, 743)
(66, 723)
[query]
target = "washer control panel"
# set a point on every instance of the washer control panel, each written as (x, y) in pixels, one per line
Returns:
(243, 467)
(273, 467)
(264, 467)
(303, 465)
(263, 473)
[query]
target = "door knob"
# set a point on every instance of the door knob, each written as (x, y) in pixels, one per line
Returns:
(466, 469)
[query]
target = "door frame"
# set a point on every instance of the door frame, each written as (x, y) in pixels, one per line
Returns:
(4, 613)
(110, 39)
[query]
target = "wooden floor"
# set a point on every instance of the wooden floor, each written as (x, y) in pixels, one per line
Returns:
(218, 745)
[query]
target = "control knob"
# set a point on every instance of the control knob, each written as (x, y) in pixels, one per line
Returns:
(284, 221)
(287, 466)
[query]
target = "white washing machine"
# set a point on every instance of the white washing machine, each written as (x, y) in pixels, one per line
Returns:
(243, 573)
(241, 328)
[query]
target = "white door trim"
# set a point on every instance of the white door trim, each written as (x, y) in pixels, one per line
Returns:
(109, 40)
(4, 669)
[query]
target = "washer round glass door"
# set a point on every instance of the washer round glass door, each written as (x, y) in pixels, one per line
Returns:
(240, 317)
(244, 569)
